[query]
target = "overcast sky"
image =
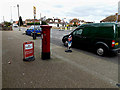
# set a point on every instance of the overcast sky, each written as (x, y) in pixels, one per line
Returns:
(88, 10)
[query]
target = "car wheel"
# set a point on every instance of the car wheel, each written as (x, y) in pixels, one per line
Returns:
(66, 43)
(31, 34)
(101, 51)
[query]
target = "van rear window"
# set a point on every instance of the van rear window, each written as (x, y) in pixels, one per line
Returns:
(119, 32)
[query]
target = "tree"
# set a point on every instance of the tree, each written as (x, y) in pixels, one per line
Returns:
(44, 23)
(75, 24)
(7, 24)
(20, 21)
(37, 23)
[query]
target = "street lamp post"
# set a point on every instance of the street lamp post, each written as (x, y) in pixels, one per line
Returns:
(11, 14)
(3, 19)
(18, 17)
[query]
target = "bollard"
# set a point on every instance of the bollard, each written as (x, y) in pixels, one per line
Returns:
(34, 35)
(69, 44)
(45, 42)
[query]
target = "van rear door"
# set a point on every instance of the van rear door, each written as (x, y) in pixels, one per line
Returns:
(118, 37)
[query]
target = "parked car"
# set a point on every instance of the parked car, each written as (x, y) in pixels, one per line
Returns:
(37, 29)
(101, 37)
(15, 25)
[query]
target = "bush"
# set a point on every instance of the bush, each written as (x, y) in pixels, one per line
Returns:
(44, 23)
(7, 24)
(37, 23)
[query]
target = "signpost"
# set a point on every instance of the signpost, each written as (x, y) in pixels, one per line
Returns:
(28, 51)
(34, 11)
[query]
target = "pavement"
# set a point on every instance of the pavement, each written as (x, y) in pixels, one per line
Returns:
(63, 70)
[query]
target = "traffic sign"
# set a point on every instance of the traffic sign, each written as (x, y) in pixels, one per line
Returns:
(34, 9)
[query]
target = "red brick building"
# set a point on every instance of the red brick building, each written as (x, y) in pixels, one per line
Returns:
(31, 21)
(76, 21)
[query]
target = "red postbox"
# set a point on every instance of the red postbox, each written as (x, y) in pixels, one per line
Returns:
(46, 41)
(28, 51)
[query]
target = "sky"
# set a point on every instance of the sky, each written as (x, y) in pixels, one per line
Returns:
(88, 10)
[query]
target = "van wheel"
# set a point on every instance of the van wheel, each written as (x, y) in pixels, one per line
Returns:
(101, 51)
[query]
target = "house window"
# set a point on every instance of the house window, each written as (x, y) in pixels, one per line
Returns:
(50, 20)
(56, 20)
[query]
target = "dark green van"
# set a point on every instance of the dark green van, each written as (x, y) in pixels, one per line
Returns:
(102, 37)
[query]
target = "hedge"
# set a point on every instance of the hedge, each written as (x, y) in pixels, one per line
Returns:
(37, 23)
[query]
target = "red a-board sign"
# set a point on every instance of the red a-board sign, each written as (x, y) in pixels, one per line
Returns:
(28, 51)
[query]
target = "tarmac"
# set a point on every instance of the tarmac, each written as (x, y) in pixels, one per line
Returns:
(61, 71)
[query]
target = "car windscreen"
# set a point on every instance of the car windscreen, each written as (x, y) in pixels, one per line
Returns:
(32, 27)
(36, 27)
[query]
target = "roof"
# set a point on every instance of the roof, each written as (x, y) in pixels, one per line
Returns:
(31, 19)
(50, 20)
(98, 24)
(75, 20)
(111, 18)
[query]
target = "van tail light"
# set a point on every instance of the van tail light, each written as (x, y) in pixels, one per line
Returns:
(113, 43)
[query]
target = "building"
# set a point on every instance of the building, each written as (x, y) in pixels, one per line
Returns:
(111, 18)
(76, 21)
(31, 21)
(55, 22)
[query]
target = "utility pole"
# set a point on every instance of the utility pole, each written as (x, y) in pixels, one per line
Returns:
(18, 17)
(3, 19)
(40, 19)
(118, 10)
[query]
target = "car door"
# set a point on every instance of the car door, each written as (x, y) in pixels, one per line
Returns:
(78, 39)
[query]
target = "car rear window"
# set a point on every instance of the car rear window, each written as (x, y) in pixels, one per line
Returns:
(36, 27)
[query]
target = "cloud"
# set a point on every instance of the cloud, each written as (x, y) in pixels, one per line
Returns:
(92, 11)
(85, 9)
(95, 10)
(58, 6)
